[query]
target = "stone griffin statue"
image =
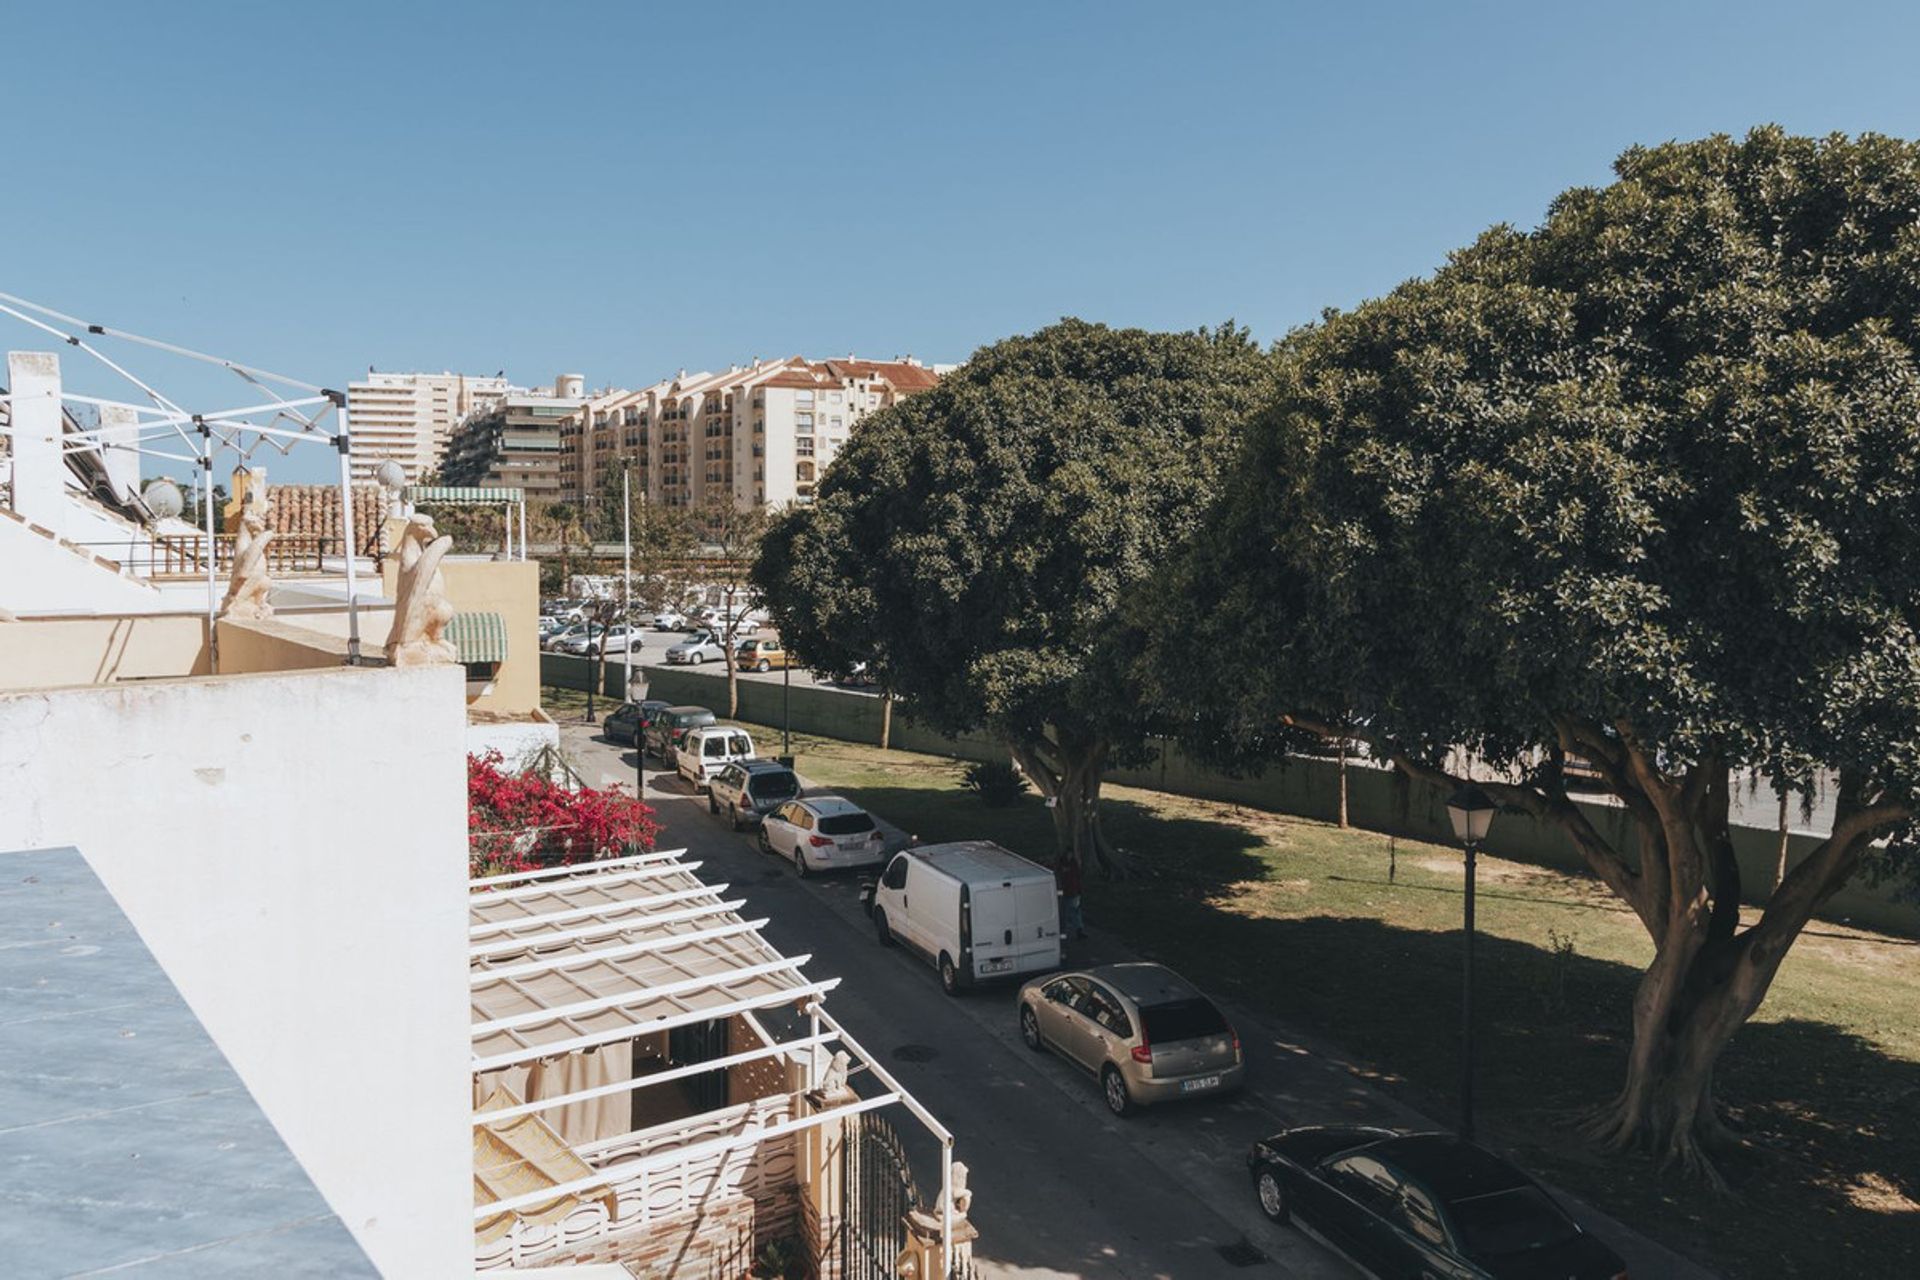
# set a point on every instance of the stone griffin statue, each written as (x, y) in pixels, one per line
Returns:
(420, 608)
(249, 586)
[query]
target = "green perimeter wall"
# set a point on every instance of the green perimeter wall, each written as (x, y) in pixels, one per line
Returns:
(1306, 787)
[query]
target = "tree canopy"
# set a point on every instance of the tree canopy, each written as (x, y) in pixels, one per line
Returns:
(1641, 485)
(975, 544)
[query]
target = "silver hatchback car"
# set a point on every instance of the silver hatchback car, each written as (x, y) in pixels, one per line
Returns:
(1145, 1032)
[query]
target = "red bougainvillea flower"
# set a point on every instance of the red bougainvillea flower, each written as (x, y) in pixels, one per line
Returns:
(524, 821)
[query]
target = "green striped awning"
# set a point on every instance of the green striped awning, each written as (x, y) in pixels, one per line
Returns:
(455, 495)
(480, 637)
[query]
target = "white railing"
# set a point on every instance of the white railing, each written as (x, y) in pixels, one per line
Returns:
(760, 1172)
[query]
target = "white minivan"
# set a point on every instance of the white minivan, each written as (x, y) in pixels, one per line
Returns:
(705, 751)
(972, 909)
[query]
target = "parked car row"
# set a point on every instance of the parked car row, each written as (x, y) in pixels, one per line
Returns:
(1398, 1205)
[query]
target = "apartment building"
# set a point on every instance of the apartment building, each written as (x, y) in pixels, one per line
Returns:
(516, 441)
(753, 434)
(408, 418)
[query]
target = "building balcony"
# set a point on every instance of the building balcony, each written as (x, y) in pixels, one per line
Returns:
(663, 1184)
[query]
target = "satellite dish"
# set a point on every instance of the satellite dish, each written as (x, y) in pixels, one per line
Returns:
(163, 499)
(390, 474)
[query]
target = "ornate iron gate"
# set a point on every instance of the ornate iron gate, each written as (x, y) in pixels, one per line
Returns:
(879, 1192)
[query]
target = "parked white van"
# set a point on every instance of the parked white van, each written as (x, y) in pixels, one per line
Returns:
(972, 909)
(705, 751)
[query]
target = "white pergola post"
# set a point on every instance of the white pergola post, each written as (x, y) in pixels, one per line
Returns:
(213, 574)
(344, 443)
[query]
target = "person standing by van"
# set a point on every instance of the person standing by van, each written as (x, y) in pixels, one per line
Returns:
(1067, 876)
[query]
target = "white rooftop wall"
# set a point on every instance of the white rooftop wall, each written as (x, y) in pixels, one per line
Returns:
(292, 848)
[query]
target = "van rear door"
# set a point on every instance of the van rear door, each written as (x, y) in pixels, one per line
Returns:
(1015, 926)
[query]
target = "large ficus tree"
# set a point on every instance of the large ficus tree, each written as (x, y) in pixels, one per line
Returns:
(1643, 487)
(975, 544)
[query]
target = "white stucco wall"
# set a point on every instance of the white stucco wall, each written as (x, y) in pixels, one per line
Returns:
(514, 740)
(292, 847)
(42, 576)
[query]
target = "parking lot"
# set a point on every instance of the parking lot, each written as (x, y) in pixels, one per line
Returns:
(654, 645)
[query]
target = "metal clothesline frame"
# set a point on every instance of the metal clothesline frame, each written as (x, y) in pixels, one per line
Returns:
(220, 429)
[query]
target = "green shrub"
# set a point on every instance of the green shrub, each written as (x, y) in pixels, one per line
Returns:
(997, 783)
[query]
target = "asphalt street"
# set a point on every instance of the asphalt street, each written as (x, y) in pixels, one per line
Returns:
(1061, 1188)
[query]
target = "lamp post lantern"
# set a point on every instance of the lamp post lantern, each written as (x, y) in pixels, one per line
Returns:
(1471, 812)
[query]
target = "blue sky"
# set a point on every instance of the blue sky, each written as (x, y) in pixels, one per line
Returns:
(626, 190)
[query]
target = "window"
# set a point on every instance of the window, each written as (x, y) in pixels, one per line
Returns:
(1418, 1215)
(773, 786)
(803, 397)
(1183, 1020)
(1507, 1222)
(836, 421)
(896, 877)
(714, 748)
(846, 824)
(1071, 992)
(1370, 1183)
(1107, 1012)
(803, 422)
(833, 397)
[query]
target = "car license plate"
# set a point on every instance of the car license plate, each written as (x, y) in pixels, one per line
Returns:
(995, 966)
(1198, 1083)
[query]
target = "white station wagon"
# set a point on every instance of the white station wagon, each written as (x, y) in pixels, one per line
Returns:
(822, 833)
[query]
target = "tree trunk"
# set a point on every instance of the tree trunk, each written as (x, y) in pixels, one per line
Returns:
(1343, 784)
(733, 686)
(886, 721)
(1780, 865)
(1067, 770)
(1690, 1002)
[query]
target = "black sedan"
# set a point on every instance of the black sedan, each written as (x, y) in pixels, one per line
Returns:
(630, 721)
(1420, 1205)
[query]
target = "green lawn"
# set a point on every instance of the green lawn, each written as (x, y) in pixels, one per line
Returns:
(1305, 922)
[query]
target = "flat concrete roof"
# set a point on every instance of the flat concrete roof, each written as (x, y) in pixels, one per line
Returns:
(127, 1142)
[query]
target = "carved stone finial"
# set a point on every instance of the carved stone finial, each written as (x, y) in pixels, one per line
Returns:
(421, 611)
(249, 585)
(834, 1078)
(962, 1195)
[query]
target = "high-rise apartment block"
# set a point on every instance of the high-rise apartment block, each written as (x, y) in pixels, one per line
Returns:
(408, 418)
(516, 441)
(759, 434)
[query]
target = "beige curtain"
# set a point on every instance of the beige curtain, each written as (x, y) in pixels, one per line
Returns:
(577, 1122)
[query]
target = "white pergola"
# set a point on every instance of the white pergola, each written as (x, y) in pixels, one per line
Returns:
(572, 958)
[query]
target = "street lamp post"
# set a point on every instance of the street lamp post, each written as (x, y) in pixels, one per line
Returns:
(1471, 813)
(786, 707)
(636, 694)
